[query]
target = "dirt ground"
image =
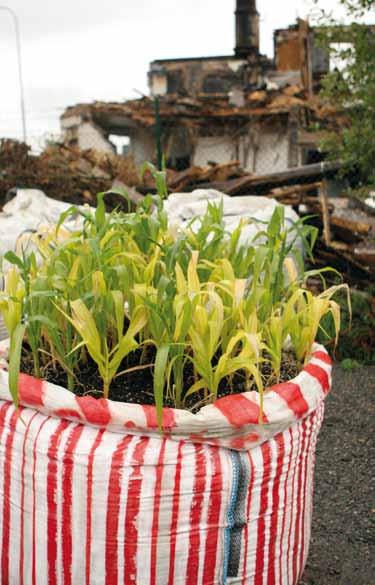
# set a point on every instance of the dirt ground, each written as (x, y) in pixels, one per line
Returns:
(342, 550)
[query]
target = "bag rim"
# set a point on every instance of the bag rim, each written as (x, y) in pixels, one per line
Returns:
(231, 421)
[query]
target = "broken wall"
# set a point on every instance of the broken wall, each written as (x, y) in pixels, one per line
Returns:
(142, 145)
(90, 136)
(194, 76)
(265, 151)
(219, 149)
(296, 49)
(85, 134)
(262, 149)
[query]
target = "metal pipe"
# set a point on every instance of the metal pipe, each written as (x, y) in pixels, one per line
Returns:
(19, 59)
(159, 148)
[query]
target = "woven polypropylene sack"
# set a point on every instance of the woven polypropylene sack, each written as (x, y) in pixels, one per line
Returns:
(92, 494)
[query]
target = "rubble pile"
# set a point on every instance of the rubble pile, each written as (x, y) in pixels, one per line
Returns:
(348, 237)
(346, 227)
(69, 174)
(63, 173)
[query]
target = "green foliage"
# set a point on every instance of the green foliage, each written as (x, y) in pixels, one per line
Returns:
(351, 89)
(126, 282)
(357, 341)
(349, 364)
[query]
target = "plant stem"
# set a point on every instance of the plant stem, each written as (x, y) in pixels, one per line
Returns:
(106, 388)
(36, 363)
(70, 382)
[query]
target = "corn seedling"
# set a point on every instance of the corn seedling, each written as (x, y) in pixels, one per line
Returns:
(123, 286)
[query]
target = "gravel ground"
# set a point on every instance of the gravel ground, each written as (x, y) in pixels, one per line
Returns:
(342, 550)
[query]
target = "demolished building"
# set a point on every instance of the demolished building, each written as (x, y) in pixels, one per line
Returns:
(243, 107)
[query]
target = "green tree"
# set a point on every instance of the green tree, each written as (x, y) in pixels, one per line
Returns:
(351, 87)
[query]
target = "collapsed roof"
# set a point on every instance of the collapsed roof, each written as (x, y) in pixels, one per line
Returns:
(197, 110)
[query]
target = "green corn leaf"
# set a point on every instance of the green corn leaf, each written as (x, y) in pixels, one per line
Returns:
(183, 315)
(199, 385)
(127, 342)
(161, 361)
(118, 302)
(100, 211)
(12, 258)
(15, 359)
(72, 210)
(44, 321)
(277, 220)
(121, 191)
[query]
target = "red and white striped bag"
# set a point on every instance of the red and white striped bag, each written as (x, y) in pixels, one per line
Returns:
(92, 494)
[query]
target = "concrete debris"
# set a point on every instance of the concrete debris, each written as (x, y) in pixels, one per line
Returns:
(347, 231)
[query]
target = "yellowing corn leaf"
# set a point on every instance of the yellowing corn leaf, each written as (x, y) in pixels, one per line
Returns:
(84, 322)
(181, 283)
(73, 274)
(183, 316)
(192, 274)
(150, 268)
(99, 286)
(291, 269)
(11, 301)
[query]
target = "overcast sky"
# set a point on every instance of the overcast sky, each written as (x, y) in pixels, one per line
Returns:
(81, 50)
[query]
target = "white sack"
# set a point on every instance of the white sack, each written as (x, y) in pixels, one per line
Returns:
(183, 207)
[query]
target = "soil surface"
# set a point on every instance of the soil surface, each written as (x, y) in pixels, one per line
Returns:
(134, 381)
(342, 550)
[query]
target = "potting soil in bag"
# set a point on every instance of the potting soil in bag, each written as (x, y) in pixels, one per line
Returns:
(93, 494)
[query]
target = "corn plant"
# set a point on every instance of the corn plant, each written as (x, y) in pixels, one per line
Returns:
(303, 314)
(107, 358)
(123, 286)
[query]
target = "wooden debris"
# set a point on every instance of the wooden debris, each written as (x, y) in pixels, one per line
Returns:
(365, 256)
(264, 183)
(64, 173)
(295, 190)
(325, 213)
(349, 230)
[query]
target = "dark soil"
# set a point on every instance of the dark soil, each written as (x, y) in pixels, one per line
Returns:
(342, 549)
(136, 385)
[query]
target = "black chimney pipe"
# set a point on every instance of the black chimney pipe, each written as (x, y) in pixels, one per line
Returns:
(247, 28)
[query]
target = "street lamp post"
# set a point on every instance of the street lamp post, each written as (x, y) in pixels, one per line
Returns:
(19, 59)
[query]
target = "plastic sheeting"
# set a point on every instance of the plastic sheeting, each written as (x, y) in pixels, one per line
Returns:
(81, 504)
(182, 208)
(30, 209)
(27, 211)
